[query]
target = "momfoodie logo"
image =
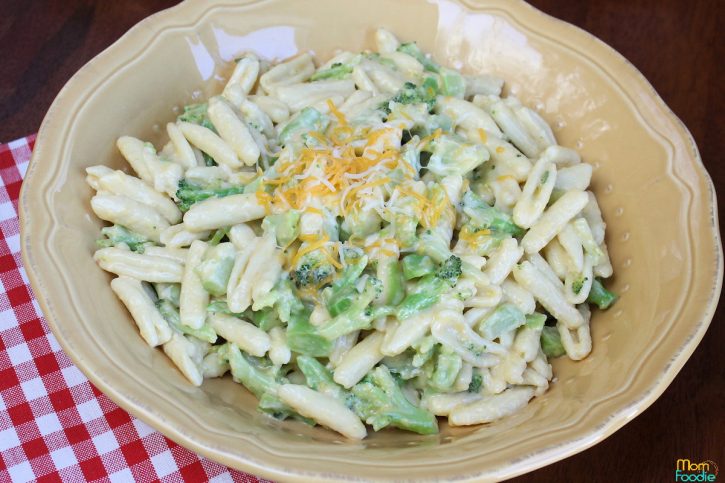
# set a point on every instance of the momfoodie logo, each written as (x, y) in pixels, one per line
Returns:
(686, 470)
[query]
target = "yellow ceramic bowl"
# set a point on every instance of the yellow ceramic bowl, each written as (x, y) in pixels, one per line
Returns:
(657, 199)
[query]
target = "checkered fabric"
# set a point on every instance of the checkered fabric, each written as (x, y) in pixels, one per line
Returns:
(54, 424)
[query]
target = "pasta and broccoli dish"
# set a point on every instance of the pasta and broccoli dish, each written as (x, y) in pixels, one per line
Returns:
(375, 242)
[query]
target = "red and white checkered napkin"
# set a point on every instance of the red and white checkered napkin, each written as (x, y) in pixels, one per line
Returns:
(55, 425)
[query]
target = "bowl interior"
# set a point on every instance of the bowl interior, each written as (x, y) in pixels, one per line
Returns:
(655, 196)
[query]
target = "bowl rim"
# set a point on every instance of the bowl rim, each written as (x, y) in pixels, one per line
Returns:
(642, 399)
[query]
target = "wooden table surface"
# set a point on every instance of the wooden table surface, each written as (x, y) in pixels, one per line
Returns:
(676, 45)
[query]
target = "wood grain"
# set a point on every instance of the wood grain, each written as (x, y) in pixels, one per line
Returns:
(678, 46)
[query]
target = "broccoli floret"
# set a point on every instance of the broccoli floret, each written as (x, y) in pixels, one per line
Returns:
(450, 270)
(116, 235)
(196, 114)
(188, 193)
(379, 401)
(313, 269)
(424, 94)
(476, 382)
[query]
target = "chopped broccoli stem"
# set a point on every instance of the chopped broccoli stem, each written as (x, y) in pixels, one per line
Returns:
(428, 289)
(600, 296)
(250, 371)
(219, 236)
(285, 226)
(535, 320)
(380, 402)
(216, 268)
(171, 314)
(320, 379)
(390, 273)
(304, 338)
(343, 290)
(357, 315)
(551, 342)
(189, 193)
(336, 71)
(416, 266)
(505, 318)
(448, 365)
(488, 217)
(412, 49)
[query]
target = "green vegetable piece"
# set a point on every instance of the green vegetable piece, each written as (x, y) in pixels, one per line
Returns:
(600, 296)
(578, 284)
(309, 119)
(343, 290)
(304, 338)
(220, 306)
(320, 379)
(265, 318)
(189, 193)
(196, 114)
(215, 269)
(219, 235)
(390, 273)
(112, 236)
(336, 71)
(416, 266)
(488, 217)
(169, 312)
(451, 155)
(313, 269)
(412, 94)
(413, 50)
(448, 365)
(250, 371)
(285, 226)
(476, 382)
(551, 342)
(357, 315)
(505, 318)
(428, 290)
(168, 291)
(434, 245)
(535, 321)
(452, 83)
(380, 402)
